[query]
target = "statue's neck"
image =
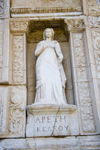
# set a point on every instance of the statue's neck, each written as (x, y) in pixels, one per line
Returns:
(48, 39)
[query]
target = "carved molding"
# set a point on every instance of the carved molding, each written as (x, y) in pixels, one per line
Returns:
(45, 6)
(94, 21)
(75, 24)
(43, 10)
(86, 110)
(21, 26)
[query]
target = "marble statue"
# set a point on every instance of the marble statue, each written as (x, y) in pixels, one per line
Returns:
(50, 76)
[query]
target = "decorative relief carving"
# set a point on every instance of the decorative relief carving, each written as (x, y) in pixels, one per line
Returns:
(1, 57)
(96, 45)
(86, 107)
(4, 8)
(79, 50)
(1, 6)
(83, 86)
(94, 8)
(18, 60)
(16, 122)
(19, 26)
(94, 21)
(77, 23)
(3, 109)
(45, 6)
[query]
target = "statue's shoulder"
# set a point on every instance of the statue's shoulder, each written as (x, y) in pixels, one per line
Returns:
(41, 42)
(56, 42)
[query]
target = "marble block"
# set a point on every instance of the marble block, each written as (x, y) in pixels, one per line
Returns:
(51, 120)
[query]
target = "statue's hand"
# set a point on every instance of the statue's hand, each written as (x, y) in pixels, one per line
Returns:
(60, 59)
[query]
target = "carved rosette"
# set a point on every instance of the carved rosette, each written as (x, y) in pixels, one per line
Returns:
(16, 26)
(75, 24)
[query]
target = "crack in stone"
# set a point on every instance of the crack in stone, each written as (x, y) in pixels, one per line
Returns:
(52, 134)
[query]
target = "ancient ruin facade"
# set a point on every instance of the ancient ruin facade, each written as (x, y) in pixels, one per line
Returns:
(74, 126)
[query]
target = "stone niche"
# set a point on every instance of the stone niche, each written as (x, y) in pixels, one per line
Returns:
(34, 36)
(49, 119)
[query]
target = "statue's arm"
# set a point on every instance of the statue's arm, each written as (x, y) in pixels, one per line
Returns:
(39, 48)
(59, 52)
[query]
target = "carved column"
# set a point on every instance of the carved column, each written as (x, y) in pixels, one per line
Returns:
(13, 95)
(81, 79)
(18, 52)
(93, 38)
(4, 41)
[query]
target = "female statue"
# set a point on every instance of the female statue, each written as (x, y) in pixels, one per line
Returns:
(50, 76)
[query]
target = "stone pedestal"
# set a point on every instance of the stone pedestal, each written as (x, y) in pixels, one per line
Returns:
(51, 120)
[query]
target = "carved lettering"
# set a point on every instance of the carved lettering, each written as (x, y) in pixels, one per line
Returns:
(44, 129)
(48, 119)
(38, 129)
(66, 127)
(62, 119)
(55, 128)
(43, 118)
(60, 128)
(49, 129)
(38, 120)
(56, 118)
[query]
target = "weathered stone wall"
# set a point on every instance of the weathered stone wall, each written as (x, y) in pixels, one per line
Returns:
(18, 39)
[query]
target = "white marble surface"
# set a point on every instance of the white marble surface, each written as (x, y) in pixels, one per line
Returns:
(50, 75)
(67, 143)
(51, 120)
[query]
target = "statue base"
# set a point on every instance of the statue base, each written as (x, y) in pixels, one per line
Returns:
(51, 120)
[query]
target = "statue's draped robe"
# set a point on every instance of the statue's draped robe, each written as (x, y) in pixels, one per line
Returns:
(50, 76)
